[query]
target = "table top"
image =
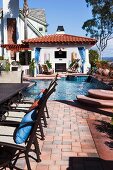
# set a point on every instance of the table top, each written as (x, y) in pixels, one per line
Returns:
(8, 90)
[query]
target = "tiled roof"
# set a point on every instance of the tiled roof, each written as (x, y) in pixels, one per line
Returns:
(38, 14)
(61, 38)
(16, 47)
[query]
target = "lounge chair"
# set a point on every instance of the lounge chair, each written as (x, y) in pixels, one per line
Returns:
(74, 67)
(11, 152)
(46, 70)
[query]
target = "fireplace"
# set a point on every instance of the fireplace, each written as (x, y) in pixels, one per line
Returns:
(60, 67)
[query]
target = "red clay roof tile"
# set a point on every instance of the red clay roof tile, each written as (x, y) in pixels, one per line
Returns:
(50, 39)
(61, 38)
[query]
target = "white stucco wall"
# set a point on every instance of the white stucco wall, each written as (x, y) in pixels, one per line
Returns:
(37, 26)
(31, 34)
(49, 53)
(10, 10)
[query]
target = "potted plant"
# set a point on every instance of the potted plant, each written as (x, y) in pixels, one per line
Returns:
(32, 67)
(48, 64)
(7, 66)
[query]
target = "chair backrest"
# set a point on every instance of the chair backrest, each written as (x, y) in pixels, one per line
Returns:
(54, 81)
(47, 93)
(38, 113)
(44, 92)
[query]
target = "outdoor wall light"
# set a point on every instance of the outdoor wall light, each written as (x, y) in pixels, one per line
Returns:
(60, 51)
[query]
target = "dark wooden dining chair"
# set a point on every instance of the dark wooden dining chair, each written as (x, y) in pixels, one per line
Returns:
(43, 117)
(47, 93)
(54, 81)
(18, 98)
(46, 113)
(11, 152)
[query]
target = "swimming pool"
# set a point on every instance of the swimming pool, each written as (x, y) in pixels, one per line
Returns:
(66, 89)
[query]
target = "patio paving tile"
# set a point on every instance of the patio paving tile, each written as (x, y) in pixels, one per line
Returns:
(68, 139)
(71, 138)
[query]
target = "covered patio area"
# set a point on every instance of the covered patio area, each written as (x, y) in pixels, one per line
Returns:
(60, 50)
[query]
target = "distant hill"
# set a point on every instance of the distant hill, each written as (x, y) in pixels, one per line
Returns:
(107, 58)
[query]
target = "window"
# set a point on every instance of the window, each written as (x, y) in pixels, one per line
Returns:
(22, 58)
(40, 29)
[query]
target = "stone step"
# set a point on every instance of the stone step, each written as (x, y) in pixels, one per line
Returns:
(101, 94)
(94, 101)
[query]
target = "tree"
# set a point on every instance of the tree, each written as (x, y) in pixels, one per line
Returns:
(101, 24)
(93, 57)
(25, 13)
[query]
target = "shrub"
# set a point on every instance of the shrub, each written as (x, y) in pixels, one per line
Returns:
(48, 64)
(32, 67)
(7, 66)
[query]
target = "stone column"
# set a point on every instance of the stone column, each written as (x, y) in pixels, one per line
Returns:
(33, 57)
(86, 63)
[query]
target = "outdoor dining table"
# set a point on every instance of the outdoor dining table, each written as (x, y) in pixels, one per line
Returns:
(8, 90)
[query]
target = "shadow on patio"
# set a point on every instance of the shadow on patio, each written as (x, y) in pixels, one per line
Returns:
(102, 111)
(89, 163)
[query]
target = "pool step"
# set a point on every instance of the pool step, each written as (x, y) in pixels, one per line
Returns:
(41, 77)
(94, 101)
(101, 94)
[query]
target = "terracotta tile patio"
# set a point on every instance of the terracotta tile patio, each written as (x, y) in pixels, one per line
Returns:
(69, 144)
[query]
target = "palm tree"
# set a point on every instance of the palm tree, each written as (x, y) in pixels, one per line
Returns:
(25, 13)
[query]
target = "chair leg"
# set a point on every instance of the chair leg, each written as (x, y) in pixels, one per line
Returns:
(13, 164)
(44, 119)
(15, 159)
(37, 149)
(46, 109)
(41, 131)
(27, 161)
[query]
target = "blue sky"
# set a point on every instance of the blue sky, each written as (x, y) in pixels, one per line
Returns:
(69, 13)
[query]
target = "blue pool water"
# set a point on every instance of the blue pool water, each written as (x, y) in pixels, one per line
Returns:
(66, 89)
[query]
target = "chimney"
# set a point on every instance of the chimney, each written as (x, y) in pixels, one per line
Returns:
(60, 30)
